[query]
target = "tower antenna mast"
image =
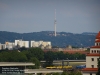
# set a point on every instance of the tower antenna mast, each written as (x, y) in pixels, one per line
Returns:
(55, 24)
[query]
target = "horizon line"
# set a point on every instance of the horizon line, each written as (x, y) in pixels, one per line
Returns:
(48, 31)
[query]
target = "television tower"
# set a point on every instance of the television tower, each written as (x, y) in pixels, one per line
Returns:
(55, 25)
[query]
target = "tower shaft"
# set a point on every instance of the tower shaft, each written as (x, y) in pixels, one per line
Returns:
(55, 24)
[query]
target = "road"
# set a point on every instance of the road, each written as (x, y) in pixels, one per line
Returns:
(65, 61)
(42, 70)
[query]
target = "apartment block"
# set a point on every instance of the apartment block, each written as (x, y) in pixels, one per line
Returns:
(41, 44)
(9, 45)
(22, 43)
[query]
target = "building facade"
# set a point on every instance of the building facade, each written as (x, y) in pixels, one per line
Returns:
(9, 45)
(2, 46)
(22, 43)
(92, 58)
(41, 44)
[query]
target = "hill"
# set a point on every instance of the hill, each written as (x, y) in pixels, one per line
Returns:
(62, 40)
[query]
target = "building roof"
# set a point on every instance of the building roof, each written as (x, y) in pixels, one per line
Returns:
(95, 47)
(16, 64)
(97, 40)
(90, 69)
(42, 70)
(75, 51)
(93, 54)
(69, 51)
(98, 35)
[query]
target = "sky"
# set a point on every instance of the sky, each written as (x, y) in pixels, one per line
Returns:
(75, 16)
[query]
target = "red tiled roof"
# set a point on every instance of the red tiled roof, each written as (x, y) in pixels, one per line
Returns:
(90, 69)
(95, 47)
(70, 51)
(73, 52)
(97, 40)
(98, 35)
(93, 54)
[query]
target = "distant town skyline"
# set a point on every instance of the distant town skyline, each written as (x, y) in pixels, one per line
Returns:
(75, 16)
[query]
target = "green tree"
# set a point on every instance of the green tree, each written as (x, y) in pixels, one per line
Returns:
(36, 62)
(49, 58)
(64, 73)
(55, 57)
(30, 74)
(71, 73)
(77, 56)
(16, 56)
(56, 73)
(12, 56)
(4, 56)
(48, 74)
(35, 52)
(39, 73)
(78, 73)
(61, 55)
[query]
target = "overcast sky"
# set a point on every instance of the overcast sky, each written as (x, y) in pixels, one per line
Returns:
(74, 16)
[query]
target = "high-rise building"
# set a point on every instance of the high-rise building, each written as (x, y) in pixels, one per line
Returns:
(41, 44)
(22, 43)
(9, 45)
(2, 46)
(36, 43)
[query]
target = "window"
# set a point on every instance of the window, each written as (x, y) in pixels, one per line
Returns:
(92, 51)
(97, 51)
(90, 73)
(97, 44)
(92, 66)
(97, 59)
(92, 59)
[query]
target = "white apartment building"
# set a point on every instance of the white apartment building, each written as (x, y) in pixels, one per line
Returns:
(2, 46)
(92, 58)
(10, 45)
(36, 43)
(22, 43)
(41, 44)
(46, 45)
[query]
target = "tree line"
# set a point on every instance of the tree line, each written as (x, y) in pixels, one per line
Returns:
(36, 55)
